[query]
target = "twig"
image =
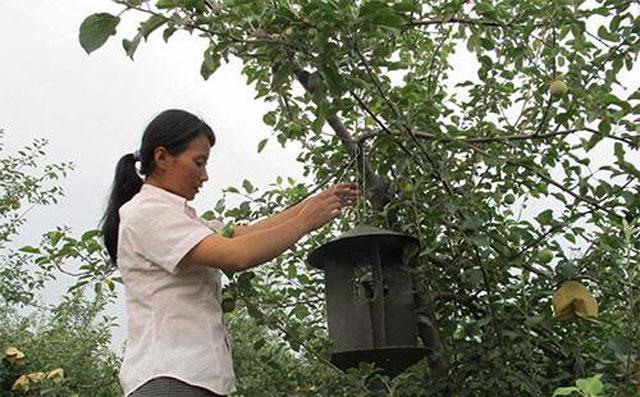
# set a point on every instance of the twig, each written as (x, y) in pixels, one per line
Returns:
(462, 21)
(547, 179)
(339, 171)
(376, 83)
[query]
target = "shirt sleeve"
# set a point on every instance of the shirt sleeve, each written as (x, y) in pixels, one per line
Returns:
(215, 224)
(167, 238)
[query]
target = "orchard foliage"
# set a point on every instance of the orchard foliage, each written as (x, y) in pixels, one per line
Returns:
(24, 184)
(61, 349)
(66, 348)
(513, 185)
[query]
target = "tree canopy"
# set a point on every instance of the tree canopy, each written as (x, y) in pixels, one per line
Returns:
(499, 133)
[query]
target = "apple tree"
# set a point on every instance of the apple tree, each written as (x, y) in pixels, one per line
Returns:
(502, 134)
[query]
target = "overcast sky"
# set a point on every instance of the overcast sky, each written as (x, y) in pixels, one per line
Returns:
(93, 109)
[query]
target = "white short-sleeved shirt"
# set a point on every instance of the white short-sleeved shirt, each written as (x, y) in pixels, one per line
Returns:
(175, 325)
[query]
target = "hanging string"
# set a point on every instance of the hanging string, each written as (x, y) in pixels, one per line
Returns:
(356, 174)
(359, 161)
(339, 174)
(363, 199)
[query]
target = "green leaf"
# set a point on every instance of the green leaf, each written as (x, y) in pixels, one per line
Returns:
(29, 249)
(269, 118)
(246, 184)
(292, 272)
(618, 150)
(110, 284)
(473, 42)
(208, 215)
(96, 29)
(604, 127)
(333, 79)
(89, 234)
(317, 125)
(570, 237)
(55, 237)
(545, 217)
(379, 13)
(567, 270)
(593, 385)
(211, 61)
(565, 391)
(487, 43)
(406, 6)
(168, 32)
(280, 76)
(509, 199)
(228, 230)
(262, 144)
(164, 4)
(472, 223)
(131, 46)
(485, 9)
(602, 32)
(152, 24)
(592, 142)
(300, 312)
(389, 19)
(259, 344)
(629, 168)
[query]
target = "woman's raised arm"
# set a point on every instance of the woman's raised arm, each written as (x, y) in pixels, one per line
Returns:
(252, 249)
(346, 192)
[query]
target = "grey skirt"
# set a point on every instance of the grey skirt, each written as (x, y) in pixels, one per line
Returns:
(170, 387)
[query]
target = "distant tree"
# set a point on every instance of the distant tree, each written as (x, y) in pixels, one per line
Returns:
(497, 175)
(24, 184)
(57, 350)
(66, 350)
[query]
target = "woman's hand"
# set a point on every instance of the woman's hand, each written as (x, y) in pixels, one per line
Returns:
(347, 193)
(326, 205)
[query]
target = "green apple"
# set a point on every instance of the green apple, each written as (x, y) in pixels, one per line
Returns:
(509, 199)
(407, 187)
(545, 256)
(558, 88)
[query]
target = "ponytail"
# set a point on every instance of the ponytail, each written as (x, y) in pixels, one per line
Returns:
(172, 129)
(125, 185)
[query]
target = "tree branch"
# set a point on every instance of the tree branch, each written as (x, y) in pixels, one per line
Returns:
(550, 181)
(434, 169)
(378, 187)
(467, 301)
(497, 139)
(460, 21)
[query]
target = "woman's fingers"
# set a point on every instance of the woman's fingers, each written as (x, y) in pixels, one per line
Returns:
(344, 188)
(347, 193)
(327, 205)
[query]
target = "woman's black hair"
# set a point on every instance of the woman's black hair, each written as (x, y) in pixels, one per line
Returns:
(172, 129)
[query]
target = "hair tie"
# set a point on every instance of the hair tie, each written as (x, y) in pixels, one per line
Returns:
(136, 155)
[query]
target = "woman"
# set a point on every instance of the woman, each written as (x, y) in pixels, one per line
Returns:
(171, 260)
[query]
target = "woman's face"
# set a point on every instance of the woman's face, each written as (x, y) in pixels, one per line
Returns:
(185, 173)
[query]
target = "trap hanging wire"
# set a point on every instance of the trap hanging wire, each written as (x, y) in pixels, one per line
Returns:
(358, 160)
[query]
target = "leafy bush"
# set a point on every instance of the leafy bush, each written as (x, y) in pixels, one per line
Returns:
(74, 337)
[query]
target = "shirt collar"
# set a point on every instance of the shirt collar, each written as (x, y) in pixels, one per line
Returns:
(167, 195)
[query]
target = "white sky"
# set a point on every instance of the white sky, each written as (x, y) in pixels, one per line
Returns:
(93, 109)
